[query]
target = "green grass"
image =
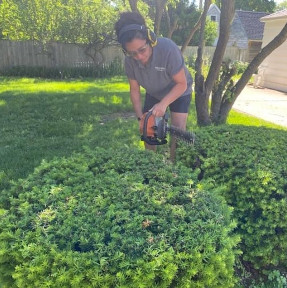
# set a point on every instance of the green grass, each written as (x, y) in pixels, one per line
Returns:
(43, 119)
(247, 120)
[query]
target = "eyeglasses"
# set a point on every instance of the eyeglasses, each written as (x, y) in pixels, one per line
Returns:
(140, 51)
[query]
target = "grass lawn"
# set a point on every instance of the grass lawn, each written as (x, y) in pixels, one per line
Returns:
(43, 119)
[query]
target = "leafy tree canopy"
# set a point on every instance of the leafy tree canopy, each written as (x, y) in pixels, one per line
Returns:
(179, 19)
(256, 5)
(183, 17)
(281, 6)
(72, 21)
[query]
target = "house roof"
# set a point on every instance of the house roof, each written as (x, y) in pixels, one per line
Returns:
(275, 16)
(250, 21)
(213, 8)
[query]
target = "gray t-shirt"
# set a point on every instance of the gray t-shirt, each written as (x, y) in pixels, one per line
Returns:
(156, 76)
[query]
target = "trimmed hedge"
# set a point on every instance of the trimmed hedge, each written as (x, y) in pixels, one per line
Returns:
(250, 166)
(109, 218)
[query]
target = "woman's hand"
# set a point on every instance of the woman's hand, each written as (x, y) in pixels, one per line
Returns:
(158, 110)
(178, 89)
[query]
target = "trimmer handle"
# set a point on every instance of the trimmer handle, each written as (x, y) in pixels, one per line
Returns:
(153, 130)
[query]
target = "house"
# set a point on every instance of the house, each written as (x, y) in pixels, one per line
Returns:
(272, 73)
(214, 14)
(246, 31)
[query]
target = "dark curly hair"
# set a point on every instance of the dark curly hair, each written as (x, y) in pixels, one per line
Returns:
(129, 18)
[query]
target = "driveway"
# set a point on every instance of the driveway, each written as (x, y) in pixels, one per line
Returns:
(264, 103)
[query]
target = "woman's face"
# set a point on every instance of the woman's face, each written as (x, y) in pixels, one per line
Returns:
(139, 49)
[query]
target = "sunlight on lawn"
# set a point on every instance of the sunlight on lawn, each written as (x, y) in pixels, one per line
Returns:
(37, 86)
(87, 130)
(116, 100)
(3, 102)
(25, 85)
(248, 120)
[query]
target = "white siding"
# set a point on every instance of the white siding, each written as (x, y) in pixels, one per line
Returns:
(214, 12)
(272, 73)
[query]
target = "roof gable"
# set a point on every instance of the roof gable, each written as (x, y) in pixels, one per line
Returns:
(275, 16)
(213, 8)
(250, 22)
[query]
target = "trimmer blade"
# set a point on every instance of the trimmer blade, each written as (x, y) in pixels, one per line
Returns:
(186, 136)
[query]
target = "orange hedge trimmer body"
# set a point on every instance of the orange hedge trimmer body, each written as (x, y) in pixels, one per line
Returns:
(154, 130)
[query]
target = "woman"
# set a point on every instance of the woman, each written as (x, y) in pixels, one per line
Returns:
(157, 65)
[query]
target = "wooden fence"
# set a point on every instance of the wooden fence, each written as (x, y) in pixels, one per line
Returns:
(31, 54)
(233, 53)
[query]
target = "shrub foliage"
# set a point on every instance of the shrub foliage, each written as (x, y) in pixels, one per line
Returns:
(115, 68)
(250, 164)
(108, 218)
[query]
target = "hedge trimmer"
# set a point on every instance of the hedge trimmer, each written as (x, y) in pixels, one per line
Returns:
(154, 130)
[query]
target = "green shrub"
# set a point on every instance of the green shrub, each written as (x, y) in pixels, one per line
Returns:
(190, 62)
(240, 66)
(108, 218)
(115, 68)
(273, 279)
(250, 166)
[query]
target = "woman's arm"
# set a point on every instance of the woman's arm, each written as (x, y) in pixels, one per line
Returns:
(136, 97)
(177, 90)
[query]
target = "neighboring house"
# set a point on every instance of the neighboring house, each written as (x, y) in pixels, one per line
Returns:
(214, 14)
(246, 31)
(272, 73)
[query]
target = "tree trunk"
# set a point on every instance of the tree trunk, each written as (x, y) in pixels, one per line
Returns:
(202, 94)
(193, 30)
(227, 15)
(201, 102)
(219, 88)
(159, 9)
(201, 98)
(231, 94)
(134, 5)
(172, 28)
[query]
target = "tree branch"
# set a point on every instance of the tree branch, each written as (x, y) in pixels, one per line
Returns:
(227, 15)
(232, 94)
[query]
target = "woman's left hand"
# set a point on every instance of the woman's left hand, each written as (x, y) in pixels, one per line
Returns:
(158, 110)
